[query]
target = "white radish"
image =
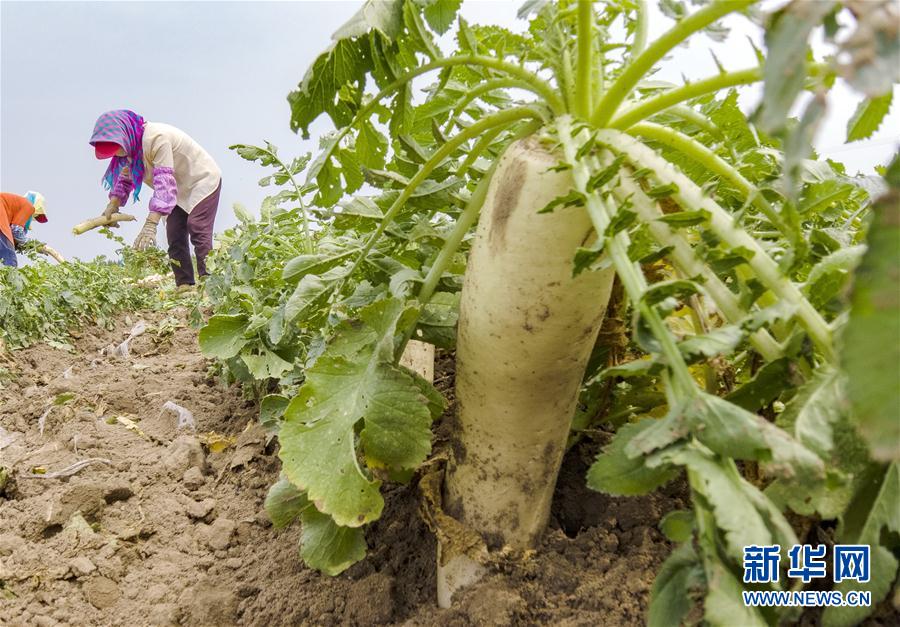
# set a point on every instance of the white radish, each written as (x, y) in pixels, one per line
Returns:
(526, 331)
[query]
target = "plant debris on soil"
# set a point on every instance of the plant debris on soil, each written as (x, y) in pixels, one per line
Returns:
(165, 526)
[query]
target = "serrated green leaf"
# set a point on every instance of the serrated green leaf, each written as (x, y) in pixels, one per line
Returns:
(314, 264)
(766, 385)
(328, 547)
(223, 336)
(670, 598)
(872, 519)
(356, 380)
(284, 503)
(271, 410)
(724, 605)
(572, 199)
(868, 117)
(683, 219)
(621, 221)
(440, 14)
(818, 406)
(720, 341)
(784, 72)
(615, 472)
(734, 432)
(724, 490)
(678, 525)
(266, 365)
(383, 16)
(871, 341)
(679, 288)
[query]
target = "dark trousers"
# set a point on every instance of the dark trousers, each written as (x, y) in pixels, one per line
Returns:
(7, 252)
(196, 226)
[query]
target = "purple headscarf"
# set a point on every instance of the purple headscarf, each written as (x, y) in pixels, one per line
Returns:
(125, 128)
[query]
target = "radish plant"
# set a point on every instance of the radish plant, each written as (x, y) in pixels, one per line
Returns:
(735, 249)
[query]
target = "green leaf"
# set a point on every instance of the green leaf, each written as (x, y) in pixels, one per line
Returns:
(682, 219)
(871, 341)
(371, 146)
(328, 547)
(311, 291)
(383, 16)
(784, 73)
(621, 221)
(345, 63)
(720, 341)
(724, 604)
(868, 117)
(223, 336)
(734, 432)
(818, 406)
(727, 494)
(572, 199)
(440, 14)
(585, 257)
(678, 525)
(829, 276)
(766, 385)
(266, 365)
(663, 191)
(872, 519)
(437, 324)
(284, 503)
(670, 598)
(355, 381)
(616, 472)
(314, 264)
(271, 410)
(679, 288)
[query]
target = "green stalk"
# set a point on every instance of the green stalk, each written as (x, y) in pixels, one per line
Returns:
(584, 90)
(688, 263)
(501, 118)
(530, 81)
(638, 68)
(629, 272)
(568, 85)
(639, 43)
(478, 91)
(478, 149)
(712, 162)
(445, 257)
(656, 104)
(722, 224)
(308, 244)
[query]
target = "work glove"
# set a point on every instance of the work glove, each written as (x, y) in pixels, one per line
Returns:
(147, 237)
(111, 208)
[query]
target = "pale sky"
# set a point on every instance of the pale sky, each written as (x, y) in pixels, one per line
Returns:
(221, 72)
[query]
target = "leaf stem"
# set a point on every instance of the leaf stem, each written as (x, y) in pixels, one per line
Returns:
(688, 263)
(660, 102)
(639, 43)
(497, 119)
(712, 162)
(478, 91)
(584, 90)
(445, 257)
(629, 272)
(637, 68)
(722, 224)
(308, 244)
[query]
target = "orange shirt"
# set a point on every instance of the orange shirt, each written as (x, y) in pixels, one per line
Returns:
(14, 209)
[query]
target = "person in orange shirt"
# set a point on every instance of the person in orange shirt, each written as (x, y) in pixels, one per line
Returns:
(16, 214)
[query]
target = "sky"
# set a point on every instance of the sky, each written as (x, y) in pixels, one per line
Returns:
(221, 71)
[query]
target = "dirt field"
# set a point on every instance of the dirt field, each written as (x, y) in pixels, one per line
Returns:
(169, 530)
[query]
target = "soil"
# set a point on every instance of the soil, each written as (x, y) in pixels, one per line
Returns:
(169, 530)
